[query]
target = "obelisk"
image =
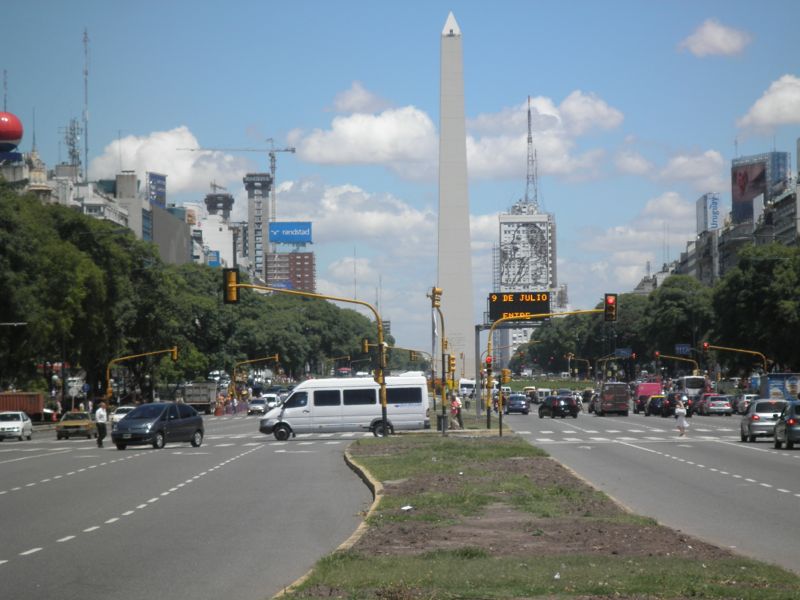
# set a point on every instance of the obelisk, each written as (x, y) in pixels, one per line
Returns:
(454, 274)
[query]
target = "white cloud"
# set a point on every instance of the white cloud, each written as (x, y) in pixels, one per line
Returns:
(358, 99)
(632, 163)
(713, 38)
(406, 139)
(403, 139)
(582, 112)
(159, 152)
(705, 172)
(779, 105)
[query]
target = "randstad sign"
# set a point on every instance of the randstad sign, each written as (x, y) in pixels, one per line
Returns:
(290, 232)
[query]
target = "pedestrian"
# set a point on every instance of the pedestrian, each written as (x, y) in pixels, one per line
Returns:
(101, 420)
(455, 412)
(680, 415)
(235, 404)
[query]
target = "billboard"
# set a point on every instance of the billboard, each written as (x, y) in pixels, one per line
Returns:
(503, 305)
(157, 189)
(708, 216)
(748, 182)
(213, 258)
(290, 232)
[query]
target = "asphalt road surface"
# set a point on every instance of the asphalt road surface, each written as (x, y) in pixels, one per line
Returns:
(242, 516)
(709, 484)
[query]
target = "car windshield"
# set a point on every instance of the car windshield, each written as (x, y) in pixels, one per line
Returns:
(257, 401)
(76, 417)
(147, 411)
(10, 417)
(123, 409)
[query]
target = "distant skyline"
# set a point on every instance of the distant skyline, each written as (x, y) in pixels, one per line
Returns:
(638, 110)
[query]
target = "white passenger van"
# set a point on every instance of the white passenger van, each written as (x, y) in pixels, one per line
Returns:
(350, 404)
(543, 393)
(466, 388)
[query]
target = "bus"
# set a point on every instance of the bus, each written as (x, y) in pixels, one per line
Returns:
(692, 385)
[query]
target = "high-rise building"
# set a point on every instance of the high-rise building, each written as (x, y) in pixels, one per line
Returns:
(755, 180)
(292, 270)
(258, 186)
(454, 275)
(708, 215)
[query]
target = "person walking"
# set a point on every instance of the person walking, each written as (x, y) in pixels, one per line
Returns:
(680, 415)
(101, 420)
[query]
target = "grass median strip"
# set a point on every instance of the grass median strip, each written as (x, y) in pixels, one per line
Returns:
(476, 516)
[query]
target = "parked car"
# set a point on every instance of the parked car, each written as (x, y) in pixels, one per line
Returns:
(517, 403)
(15, 424)
(120, 412)
(157, 424)
(759, 420)
(76, 423)
(558, 406)
(655, 404)
(787, 427)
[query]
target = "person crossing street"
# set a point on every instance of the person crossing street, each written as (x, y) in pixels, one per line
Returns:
(101, 420)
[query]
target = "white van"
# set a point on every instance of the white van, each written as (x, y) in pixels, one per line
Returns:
(466, 388)
(350, 404)
(543, 393)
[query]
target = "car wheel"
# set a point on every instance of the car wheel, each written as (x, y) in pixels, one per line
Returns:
(541, 415)
(381, 429)
(20, 438)
(121, 446)
(158, 440)
(575, 416)
(282, 432)
(197, 438)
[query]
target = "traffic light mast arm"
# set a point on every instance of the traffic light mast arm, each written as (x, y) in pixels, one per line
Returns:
(119, 359)
(763, 358)
(247, 362)
(380, 379)
(691, 360)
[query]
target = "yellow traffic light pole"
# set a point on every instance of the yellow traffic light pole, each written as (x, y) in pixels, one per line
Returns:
(528, 317)
(753, 352)
(247, 362)
(173, 351)
(691, 360)
(231, 296)
(333, 360)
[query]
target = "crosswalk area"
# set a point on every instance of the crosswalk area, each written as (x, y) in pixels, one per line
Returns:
(650, 434)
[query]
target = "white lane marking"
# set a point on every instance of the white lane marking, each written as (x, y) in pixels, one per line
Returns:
(66, 539)
(112, 520)
(329, 443)
(92, 528)
(51, 453)
(127, 513)
(2, 562)
(31, 551)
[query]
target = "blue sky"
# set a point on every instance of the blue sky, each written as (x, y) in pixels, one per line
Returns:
(638, 110)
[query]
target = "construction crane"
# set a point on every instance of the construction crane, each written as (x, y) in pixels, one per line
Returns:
(215, 188)
(272, 151)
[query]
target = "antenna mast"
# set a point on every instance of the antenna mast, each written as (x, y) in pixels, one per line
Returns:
(5, 89)
(532, 184)
(86, 104)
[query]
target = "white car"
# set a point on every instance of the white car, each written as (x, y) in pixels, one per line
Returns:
(121, 411)
(15, 424)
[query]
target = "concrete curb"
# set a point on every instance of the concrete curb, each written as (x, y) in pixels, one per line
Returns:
(376, 488)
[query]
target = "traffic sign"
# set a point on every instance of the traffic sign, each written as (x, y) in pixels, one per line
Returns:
(683, 349)
(518, 304)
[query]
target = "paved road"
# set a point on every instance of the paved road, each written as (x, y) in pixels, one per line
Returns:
(708, 484)
(242, 516)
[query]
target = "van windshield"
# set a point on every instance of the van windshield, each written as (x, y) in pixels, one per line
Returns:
(296, 400)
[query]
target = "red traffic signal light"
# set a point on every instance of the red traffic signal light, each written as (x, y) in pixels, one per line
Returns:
(657, 353)
(610, 307)
(705, 346)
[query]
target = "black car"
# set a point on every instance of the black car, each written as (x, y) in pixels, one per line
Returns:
(517, 403)
(157, 424)
(671, 403)
(640, 403)
(558, 406)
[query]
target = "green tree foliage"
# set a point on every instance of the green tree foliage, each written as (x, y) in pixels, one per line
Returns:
(90, 292)
(757, 307)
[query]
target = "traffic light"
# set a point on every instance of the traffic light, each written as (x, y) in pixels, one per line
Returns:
(505, 376)
(451, 363)
(705, 347)
(230, 279)
(488, 366)
(174, 354)
(436, 296)
(610, 307)
(365, 346)
(657, 354)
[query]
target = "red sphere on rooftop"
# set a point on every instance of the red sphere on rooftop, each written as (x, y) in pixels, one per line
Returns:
(10, 132)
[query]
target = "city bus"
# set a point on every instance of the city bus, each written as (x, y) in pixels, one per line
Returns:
(692, 385)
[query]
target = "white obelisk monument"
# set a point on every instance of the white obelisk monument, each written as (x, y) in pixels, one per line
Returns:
(454, 256)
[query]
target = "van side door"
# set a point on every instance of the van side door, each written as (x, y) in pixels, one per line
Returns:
(326, 413)
(297, 413)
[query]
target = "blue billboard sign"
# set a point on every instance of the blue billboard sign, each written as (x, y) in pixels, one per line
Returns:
(290, 232)
(284, 284)
(157, 189)
(213, 258)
